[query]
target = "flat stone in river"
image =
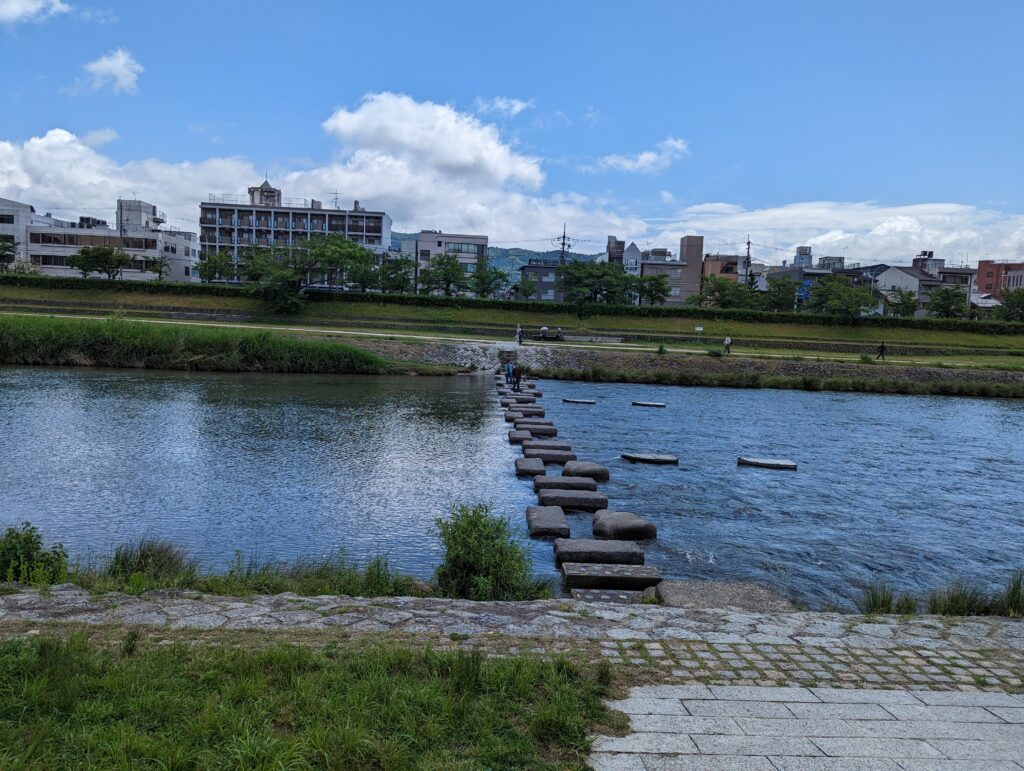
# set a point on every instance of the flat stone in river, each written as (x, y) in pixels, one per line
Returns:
(511, 417)
(578, 500)
(623, 525)
(528, 410)
(529, 467)
(580, 468)
(551, 456)
(564, 483)
(590, 576)
(540, 431)
(579, 401)
(518, 437)
(648, 404)
(549, 444)
(774, 463)
(547, 521)
(650, 457)
(594, 550)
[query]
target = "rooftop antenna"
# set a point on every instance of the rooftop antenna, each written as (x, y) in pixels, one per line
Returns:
(336, 198)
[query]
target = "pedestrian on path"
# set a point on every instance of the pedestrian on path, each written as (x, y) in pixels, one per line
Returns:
(508, 373)
(728, 345)
(881, 352)
(519, 334)
(517, 376)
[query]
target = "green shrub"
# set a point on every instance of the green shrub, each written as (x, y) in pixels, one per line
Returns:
(1010, 602)
(960, 599)
(161, 563)
(880, 597)
(715, 353)
(482, 559)
(661, 350)
(23, 559)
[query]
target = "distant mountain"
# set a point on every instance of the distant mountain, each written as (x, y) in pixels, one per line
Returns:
(509, 260)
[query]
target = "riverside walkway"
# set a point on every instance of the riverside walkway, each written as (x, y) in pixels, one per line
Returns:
(713, 688)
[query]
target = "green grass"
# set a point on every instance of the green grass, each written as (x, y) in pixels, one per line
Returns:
(881, 597)
(118, 343)
(879, 385)
(75, 704)
(960, 598)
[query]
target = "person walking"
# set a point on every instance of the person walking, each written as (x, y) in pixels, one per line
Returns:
(728, 345)
(881, 352)
(508, 373)
(517, 376)
(519, 334)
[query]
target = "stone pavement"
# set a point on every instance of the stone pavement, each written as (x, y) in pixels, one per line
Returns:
(697, 726)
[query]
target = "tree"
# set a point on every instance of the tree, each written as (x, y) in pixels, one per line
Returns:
(444, 274)
(654, 289)
(99, 259)
(217, 265)
(278, 276)
(361, 269)
(948, 302)
(718, 292)
(903, 302)
(8, 251)
(837, 296)
(781, 294)
(487, 281)
(160, 266)
(527, 285)
(594, 282)
(396, 275)
(334, 255)
(1012, 308)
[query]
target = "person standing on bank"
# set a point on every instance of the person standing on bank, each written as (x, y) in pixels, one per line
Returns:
(881, 352)
(508, 373)
(728, 345)
(519, 334)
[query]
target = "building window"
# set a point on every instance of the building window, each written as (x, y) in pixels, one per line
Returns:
(6, 219)
(674, 292)
(49, 260)
(424, 254)
(188, 271)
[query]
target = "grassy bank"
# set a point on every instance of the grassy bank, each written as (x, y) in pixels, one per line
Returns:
(960, 598)
(119, 343)
(75, 704)
(879, 385)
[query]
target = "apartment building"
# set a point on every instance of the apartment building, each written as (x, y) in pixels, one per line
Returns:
(230, 223)
(427, 244)
(545, 274)
(995, 277)
(47, 241)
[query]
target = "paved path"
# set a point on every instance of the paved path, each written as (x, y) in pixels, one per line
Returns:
(733, 727)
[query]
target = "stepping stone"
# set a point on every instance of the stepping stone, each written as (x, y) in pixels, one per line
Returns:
(536, 420)
(528, 411)
(549, 444)
(650, 457)
(547, 521)
(564, 483)
(619, 596)
(590, 576)
(579, 401)
(553, 456)
(741, 595)
(534, 392)
(507, 402)
(529, 467)
(572, 500)
(518, 437)
(511, 417)
(524, 398)
(648, 404)
(594, 550)
(580, 468)
(623, 525)
(540, 431)
(784, 465)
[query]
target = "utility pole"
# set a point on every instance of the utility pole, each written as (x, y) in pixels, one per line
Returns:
(564, 243)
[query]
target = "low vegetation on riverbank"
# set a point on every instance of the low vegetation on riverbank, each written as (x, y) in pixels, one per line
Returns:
(74, 703)
(482, 560)
(740, 379)
(116, 342)
(961, 598)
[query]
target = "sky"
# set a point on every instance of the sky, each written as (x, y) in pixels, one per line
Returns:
(872, 130)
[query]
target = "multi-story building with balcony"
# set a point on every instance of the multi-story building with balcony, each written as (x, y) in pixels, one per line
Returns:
(427, 244)
(47, 241)
(229, 223)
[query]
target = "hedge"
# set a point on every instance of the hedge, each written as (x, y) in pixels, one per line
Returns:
(985, 327)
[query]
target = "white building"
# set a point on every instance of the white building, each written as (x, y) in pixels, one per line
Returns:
(427, 244)
(47, 241)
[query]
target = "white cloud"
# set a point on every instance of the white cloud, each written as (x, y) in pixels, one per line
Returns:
(118, 69)
(15, 11)
(431, 166)
(503, 105)
(99, 137)
(592, 116)
(661, 157)
(666, 196)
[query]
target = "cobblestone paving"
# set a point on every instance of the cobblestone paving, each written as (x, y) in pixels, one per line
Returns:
(737, 727)
(659, 643)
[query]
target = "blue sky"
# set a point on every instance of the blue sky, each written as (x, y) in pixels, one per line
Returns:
(874, 128)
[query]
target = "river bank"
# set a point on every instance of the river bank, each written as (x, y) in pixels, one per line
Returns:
(603, 365)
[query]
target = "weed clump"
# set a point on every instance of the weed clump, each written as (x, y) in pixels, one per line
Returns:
(482, 559)
(23, 558)
(881, 597)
